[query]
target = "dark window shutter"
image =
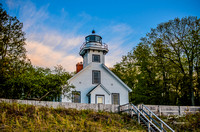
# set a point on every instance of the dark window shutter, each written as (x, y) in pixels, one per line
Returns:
(115, 98)
(96, 77)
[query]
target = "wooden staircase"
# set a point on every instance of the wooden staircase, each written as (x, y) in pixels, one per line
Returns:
(145, 117)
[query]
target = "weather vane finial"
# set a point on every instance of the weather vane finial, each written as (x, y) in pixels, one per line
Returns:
(93, 31)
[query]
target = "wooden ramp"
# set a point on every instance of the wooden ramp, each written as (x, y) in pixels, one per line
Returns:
(145, 117)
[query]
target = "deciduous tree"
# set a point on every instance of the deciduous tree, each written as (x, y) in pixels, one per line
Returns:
(18, 78)
(168, 65)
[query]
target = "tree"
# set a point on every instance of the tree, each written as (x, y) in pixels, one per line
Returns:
(167, 63)
(18, 78)
(138, 71)
(13, 59)
(179, 43)
(43, 84)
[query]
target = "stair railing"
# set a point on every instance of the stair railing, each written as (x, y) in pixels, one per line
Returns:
(140, 116)
(150, 114)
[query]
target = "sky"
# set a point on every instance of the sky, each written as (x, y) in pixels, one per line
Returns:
(56, 29)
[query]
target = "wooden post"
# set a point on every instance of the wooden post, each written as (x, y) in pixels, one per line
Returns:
(131, 111)
(179, 110)
(138, 116)
(162, 127)
(142, 110)
(159, 110)
(149, 129)
(150, 116)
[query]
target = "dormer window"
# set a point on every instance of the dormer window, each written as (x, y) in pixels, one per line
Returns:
(95, 58)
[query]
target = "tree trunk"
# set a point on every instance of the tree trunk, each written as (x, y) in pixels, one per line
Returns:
(191, 88)
(198, 85)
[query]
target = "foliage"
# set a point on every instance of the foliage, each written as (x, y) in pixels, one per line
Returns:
(189, 122)
(13, 59)
(165, 67)
(16, 117)
(18, 78)
(42, 83)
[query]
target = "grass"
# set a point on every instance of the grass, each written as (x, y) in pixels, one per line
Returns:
(187, 123)
(19, 118)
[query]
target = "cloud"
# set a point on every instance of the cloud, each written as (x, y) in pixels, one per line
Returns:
(46, 56)
(28, 13)
(50, 48)
(12, 4)
(118, 38)
(53, 40)
(32, 18)
(65, 42)
(46, 46)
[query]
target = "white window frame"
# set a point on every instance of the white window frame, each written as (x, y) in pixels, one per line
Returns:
(100, 95)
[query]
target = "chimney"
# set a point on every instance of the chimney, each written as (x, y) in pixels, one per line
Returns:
(79, 67)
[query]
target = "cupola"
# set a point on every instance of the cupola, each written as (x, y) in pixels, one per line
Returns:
(93, 42)
(93, 50)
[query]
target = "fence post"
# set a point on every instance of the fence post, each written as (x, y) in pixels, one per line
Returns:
(142, 109)
(119, 111)
(159, 110)
(150, 116)
(162, 127)
(138, 113)
(149, 129)
(131, 109)
(98, 107)
(179, 110)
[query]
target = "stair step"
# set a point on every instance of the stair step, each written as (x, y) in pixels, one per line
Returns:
(144, 115)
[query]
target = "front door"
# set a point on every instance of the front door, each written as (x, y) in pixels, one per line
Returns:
(100, 99)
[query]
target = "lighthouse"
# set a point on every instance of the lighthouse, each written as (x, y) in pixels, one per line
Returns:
(94, 82)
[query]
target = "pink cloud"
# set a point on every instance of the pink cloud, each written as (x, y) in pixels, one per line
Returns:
(45, 56)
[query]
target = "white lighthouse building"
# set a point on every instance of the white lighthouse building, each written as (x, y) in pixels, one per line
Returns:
(94, 82)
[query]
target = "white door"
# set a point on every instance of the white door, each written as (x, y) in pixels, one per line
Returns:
(100, 99)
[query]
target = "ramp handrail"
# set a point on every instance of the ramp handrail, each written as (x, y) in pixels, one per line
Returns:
(162, 122)
(148, 121)
(140, 116)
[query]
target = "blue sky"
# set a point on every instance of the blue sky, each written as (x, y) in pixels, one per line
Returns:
(55, 29)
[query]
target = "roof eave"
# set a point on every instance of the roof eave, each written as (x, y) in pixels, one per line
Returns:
(96, 87)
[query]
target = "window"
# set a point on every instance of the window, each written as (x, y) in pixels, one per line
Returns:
(115, 98)
(93, 38)
(96, 77)
(76, 96)
(95, 58)
(100, 99)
